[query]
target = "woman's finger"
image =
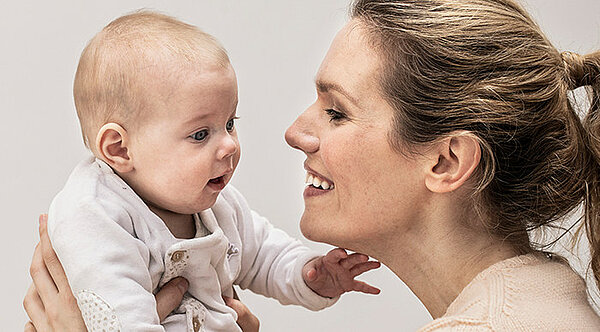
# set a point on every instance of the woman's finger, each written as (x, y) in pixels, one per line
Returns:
(53, 265)
(35, 310)
(42, 280)
(169, 297)
(246, 320)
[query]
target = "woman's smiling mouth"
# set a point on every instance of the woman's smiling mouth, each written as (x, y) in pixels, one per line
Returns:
(317, 182)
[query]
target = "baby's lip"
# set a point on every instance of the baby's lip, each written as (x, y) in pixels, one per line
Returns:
(219, 182)
(224, 173)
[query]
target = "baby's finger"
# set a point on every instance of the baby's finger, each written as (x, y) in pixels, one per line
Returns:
(335, 256)
(353, 259)
(34, 307)
(53, 265)
(364, 267)
(363, 287)
(311, 274)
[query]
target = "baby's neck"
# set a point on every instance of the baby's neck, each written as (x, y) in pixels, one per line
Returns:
(182, 226)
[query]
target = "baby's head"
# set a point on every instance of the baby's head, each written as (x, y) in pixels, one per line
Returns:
(156, 99)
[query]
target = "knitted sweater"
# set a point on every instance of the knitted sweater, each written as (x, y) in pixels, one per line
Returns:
(524, 293)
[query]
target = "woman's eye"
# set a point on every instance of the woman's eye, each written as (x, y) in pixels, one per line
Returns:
(230, 124)
(200, 135)
(334, 115)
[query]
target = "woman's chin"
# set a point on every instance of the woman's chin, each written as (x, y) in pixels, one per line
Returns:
(312, 231)
(321, 233)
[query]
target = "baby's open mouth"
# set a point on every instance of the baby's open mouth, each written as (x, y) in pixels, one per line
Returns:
(217, 180)
(319, 183)
(217, 183)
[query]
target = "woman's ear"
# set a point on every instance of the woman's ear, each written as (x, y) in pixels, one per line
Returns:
(111, 146)
(453, 161)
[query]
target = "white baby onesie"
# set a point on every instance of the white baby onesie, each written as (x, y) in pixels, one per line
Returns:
(117, 253)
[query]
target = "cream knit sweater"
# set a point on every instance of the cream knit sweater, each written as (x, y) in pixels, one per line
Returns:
(523, 293)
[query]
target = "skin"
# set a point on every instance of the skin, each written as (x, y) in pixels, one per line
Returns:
(169, 157)
(409, 211)
(185, 139)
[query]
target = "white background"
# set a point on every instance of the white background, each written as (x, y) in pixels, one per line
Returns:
(276, 48)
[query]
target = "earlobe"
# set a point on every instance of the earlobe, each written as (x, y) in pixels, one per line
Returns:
(112, 147)
(454, 159)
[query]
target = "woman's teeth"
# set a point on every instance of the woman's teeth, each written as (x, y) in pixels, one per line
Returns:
(316, 182)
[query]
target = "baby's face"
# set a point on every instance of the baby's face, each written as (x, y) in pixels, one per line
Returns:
(185, 147)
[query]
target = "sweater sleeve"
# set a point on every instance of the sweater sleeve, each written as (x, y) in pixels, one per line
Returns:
(272, 261)
(106, 266)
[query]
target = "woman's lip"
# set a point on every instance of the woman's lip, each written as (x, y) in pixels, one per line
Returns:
(314, 173)
(311, 191)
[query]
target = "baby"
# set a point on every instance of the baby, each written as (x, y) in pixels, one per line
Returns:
(156, 99)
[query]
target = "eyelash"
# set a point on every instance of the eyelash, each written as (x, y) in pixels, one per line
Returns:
(232, 120)
(205, 131)
(335, 115)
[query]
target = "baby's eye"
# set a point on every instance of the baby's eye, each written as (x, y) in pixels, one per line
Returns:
(334, 115)
(200, 135)
(230, 124)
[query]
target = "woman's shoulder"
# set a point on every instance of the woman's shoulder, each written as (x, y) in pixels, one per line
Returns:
(528, 292)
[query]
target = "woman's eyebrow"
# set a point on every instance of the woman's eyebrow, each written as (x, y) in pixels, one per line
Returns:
(324, 86)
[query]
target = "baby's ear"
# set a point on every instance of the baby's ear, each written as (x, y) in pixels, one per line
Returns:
(112, 147)
(453, 161)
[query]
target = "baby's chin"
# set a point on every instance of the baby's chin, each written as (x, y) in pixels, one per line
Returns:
(196, 207)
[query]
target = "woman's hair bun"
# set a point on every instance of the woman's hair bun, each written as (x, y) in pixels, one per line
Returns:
(579, 72)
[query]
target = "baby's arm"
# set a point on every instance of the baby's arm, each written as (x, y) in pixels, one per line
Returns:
(271, 260)
(106, 266)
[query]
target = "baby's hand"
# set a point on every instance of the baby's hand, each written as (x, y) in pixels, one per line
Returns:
(333, 274)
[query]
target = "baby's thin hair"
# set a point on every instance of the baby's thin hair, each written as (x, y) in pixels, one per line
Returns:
(109, 83)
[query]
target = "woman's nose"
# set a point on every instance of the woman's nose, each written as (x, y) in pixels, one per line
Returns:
(301, 134)
(229, 146)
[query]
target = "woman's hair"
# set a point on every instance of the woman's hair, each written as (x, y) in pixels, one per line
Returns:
(484, 66)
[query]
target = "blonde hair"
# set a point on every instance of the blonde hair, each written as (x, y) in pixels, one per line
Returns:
(109, 83)
(484, 66)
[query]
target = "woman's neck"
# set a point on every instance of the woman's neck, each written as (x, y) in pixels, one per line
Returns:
(438, 262)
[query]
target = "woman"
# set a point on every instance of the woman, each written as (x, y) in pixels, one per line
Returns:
(444, 131)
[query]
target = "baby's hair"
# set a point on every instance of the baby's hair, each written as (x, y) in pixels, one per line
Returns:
(109, 83)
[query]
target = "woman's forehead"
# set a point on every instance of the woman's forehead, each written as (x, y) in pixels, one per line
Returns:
(351, 67)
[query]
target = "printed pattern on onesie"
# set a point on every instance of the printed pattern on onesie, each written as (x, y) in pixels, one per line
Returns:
(97, 314)
(175, 263)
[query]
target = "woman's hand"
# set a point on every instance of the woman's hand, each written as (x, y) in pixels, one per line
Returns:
(246, 320)
(50, 303)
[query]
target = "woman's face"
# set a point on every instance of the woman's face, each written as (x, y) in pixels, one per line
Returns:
(368, 190)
